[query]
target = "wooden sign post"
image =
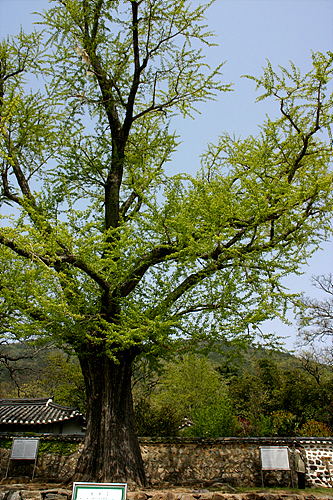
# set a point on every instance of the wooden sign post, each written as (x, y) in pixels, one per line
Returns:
(274, 458)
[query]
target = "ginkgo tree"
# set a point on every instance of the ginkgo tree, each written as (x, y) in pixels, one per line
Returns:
(106, 254)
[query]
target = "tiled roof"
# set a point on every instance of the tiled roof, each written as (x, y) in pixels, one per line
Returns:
(35, 411)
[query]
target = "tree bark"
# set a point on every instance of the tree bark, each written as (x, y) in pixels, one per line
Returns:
(111, 450)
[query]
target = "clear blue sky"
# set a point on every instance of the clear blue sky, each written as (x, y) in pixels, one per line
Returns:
(248, 32)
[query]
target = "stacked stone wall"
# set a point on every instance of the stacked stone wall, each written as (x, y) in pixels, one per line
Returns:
(189, 462)
(319, 458)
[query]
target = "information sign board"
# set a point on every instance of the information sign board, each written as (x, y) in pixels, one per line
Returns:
(99, 491)
(274, 458)
(24, 449)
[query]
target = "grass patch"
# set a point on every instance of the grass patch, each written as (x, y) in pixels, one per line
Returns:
(6, 443)
(57, 447)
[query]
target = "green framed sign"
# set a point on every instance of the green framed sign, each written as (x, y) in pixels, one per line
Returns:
(99, 491)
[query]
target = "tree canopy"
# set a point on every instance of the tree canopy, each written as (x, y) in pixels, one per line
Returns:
(104, 252)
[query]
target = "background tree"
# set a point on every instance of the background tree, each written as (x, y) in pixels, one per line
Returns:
(152, 419)
(62, 378)
(27, 372)
(250, 399)
(316, 316)
(193, 388)
(20, 369)
(109, 255)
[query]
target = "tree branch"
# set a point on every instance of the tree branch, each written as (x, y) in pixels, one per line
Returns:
(127, 204)
(306, 138)
(53, 262)
(20, 177)
(154, 257)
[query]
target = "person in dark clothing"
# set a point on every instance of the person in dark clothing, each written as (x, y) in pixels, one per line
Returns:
(300, 467)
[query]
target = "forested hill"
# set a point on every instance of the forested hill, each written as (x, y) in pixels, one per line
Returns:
(262, 393)
(247, 360)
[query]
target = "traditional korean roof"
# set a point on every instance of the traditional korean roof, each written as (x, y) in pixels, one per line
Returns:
(35, 411)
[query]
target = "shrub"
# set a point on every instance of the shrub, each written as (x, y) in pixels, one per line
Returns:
(154, 421)
(314, 428)
(213, 420)
(284, 423)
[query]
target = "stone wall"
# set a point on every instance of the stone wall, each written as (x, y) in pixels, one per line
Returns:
(319, 456)
(186, 461)
(235, 461)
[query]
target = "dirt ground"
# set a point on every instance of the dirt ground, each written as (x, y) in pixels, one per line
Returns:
(176, 493)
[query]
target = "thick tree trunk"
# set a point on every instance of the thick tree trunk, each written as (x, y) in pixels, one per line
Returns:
(111, 450)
